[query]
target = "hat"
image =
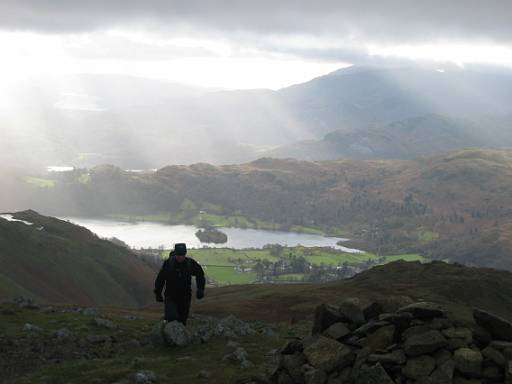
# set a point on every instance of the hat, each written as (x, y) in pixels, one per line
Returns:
(180, 249)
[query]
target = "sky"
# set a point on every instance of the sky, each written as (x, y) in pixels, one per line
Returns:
(242, 44)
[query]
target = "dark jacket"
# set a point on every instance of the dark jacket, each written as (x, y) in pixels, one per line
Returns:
(177, 278)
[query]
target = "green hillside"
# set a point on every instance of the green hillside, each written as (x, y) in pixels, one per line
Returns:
(453, 206)
(55, 261)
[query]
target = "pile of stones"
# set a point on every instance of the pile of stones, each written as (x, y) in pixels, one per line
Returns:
(174, 333)
(418, 343)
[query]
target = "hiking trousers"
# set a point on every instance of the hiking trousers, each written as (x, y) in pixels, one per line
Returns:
(177, 309)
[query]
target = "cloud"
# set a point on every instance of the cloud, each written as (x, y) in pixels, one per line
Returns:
(392, 21)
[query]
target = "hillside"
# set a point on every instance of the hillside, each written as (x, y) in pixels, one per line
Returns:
(405, 139)
(55, 261)
(451, 206)
(454, 285)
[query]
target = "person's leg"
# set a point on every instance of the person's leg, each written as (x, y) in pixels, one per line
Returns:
(171, 310)
(183, 310)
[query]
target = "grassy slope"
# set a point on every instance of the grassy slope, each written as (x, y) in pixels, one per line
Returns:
(454, 284)
(66, 263)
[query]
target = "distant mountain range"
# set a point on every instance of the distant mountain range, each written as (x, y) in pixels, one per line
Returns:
(55, 261)
(405, 139)
(358, 111)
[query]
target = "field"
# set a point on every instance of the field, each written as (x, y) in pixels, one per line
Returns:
(229, 266)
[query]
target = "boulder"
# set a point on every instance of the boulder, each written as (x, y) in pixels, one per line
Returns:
(325, 316)
(293, 365)
(495, 356)
(145, 377)
(424, 310)
(396, 357)
(352, 310)
(380, 339)
(468, 362)
(104, 323)
(175, 333)
(424, 343)
(336, 331)
(418, 367)
(313, 375)
(373, 375)
(327, 354)
(498, 327)
(444, 373)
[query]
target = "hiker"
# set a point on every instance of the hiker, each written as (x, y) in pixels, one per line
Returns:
(176, 274)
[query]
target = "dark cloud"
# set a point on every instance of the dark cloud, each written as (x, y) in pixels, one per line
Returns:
(377, 21)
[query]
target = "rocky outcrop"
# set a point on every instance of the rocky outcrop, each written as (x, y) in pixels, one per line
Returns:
(418, 343)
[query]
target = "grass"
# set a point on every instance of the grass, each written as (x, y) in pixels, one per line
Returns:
(169, 364)
(40, 182)
(229, 275)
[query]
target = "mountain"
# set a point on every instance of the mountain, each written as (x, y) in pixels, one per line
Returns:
(405, 139)
(452, 206)
(55, 261)
(136, 123)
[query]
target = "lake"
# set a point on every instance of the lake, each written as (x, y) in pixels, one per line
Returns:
(152, 235)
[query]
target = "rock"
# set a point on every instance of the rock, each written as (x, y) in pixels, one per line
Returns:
(372, 311)
(291, 347)
(145, 377)
(239, 355)
(424, 343)
(325, 316)
(424, 310)
(98, 339)
(352, 310)
(373, 375)
(157, 336)
(481, 337)
(459, 333)
(370, 327)
(495, 356)
(493, 373)
(418, 367)
(391, 304)
(468, 362)
(105, 323)
(27, 327)
(90, 312)
(175, 333)
(498, 327)
(444, 373)
(326, 354)
(337, 331)
(63, 334)
(232, 344)
(232, 327)
(396, 357)
(284, 378)
(381, 339)
(462, 380)
(313, 375)
(293, 364)
(203, 374)
(415, 330)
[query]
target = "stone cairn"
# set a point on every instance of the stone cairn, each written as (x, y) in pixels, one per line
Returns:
(417, 344)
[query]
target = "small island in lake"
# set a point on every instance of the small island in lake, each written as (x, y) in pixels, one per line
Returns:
(211, 235)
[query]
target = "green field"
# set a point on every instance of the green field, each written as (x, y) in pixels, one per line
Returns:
(220, 263)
